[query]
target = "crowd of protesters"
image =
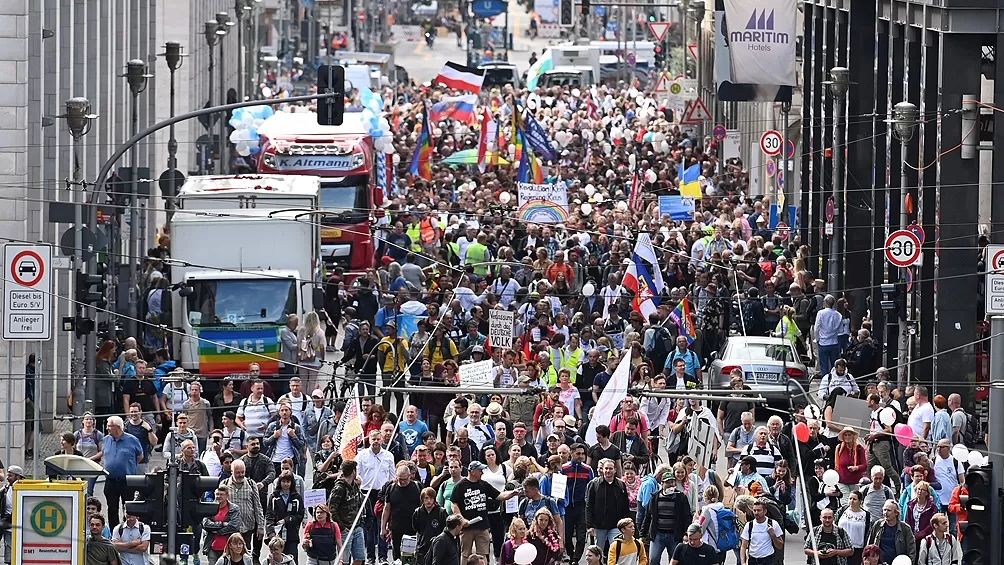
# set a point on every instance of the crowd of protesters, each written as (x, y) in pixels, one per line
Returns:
(446, 477)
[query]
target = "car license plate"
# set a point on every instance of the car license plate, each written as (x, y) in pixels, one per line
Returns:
(770, 377)
(331, 233)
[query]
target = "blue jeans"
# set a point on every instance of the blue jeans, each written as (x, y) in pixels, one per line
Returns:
(376, 545)
(606, 537)
(828, 355)
(662, 541)
(355, 546)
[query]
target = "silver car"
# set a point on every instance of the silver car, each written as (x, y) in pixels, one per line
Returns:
(767, 363)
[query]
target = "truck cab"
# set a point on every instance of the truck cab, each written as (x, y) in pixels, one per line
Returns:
(245, 254)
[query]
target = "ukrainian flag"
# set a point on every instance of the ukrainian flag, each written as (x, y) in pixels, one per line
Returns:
(689, 183)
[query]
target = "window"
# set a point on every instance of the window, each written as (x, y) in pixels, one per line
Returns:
(238, 302)
(346, 200)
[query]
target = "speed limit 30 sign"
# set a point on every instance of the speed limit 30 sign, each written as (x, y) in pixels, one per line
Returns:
(902, 248)
(770, 142)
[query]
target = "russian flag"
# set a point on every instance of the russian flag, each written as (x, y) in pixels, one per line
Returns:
(460, 77)
(460, 108)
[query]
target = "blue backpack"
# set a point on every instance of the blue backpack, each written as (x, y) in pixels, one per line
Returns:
(728, 530)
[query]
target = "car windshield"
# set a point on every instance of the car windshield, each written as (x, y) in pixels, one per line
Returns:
(744, 351)
(570, 79)
(498, 77)
(241, 302)
(345, 200)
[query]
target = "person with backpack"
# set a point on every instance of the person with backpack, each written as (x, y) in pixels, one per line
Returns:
(876, 493)
(939, 547)
(693, 361)
(718, 524)
(695, 551)
(754, 319)
(625, 549)
(761, 538)
(879, 443)
(666, 518)
(965, 427)
(131, 539)
(658, 340)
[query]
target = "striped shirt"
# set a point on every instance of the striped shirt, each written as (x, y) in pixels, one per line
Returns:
(256, 414)
(766, 457)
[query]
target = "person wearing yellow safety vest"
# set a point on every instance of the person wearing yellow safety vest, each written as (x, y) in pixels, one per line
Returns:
(573, 356)
(429, 230)
(787, 328)
(548, 372)
(479, 255)
(414, 234)
(556, 350)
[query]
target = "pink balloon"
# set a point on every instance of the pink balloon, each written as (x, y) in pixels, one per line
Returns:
(904, 434)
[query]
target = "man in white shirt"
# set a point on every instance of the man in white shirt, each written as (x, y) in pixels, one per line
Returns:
(922, 415)
(235, 439)
(284, 438)
(657, 411)
(949, 472)
(376, 468)
(298, 401)
(132, 540)
(256, 410)
(761, 537)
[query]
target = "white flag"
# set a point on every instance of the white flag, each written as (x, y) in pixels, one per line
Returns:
(761, 39)
(611, 396)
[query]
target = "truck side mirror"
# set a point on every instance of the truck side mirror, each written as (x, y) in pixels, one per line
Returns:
(185, 291)
(318, 298)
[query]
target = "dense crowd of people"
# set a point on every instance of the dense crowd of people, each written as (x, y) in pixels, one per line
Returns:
(447, 477)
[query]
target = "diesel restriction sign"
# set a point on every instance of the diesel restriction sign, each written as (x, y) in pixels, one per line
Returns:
(27, 292)
(902, 248)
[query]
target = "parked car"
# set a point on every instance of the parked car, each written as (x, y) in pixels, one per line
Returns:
(767, 363)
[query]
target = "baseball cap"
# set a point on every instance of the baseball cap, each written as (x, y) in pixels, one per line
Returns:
(230, 414)
(317, 393)
(523, 379)
(17, 470)
(477, 349)
(476, 466)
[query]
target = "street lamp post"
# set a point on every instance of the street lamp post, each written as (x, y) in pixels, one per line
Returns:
(174, 57)
(239, 8)
(213, 36)
(78, 118)
(906, 119)
(838, 84)
(699, 10)
(137, 77)
(223, 25)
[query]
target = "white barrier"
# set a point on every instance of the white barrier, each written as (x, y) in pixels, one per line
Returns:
(407, 33)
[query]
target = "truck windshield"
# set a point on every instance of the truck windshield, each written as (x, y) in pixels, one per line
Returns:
(241, 302)
(346, 200)
(499, 76)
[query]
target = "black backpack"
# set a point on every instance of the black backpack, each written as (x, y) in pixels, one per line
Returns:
(970, 431)
(662, 347)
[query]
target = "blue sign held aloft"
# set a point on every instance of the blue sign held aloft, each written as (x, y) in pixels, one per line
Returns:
(678, 208)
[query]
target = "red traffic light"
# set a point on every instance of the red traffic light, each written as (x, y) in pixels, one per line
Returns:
(657, 48)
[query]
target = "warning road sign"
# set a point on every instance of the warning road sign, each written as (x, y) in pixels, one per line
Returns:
(663, 84)
(27, 292)
(696, 112)
(659, 29)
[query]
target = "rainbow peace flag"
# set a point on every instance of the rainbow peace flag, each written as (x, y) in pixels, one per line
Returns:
(682, 317)
(421, 161)
(230, 350)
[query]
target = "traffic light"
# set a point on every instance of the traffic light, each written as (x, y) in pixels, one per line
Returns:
(149, 505)
(331, 79)
(193, 492)
(565, 17)
(660, 57)
(91, 289)
(584, 7)
(976, 530)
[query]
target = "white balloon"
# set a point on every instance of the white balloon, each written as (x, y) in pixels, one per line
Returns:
(437, 132)
(633, 92)
(512, 149)
(659, 137)
(236, 136)
(831, 478)
(388, 148)
(599, 136)
(975, 458)
(961, 453)
(606, 146)
(616, 133)
(632, 160)
(639, 100)
(525, 554)
(397, 159)
(576, 93)
(590, 190)
(664, 146)
(650, 176)
(384, 124)
(887, 416)
(588, 289)
(901, 560)
(586, 209)
(243, 150)
(505, 197)
(599, 198)
(812, 412)
(257, 123)
(622, 206)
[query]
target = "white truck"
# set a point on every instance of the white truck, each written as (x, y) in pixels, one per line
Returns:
(245, 255)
